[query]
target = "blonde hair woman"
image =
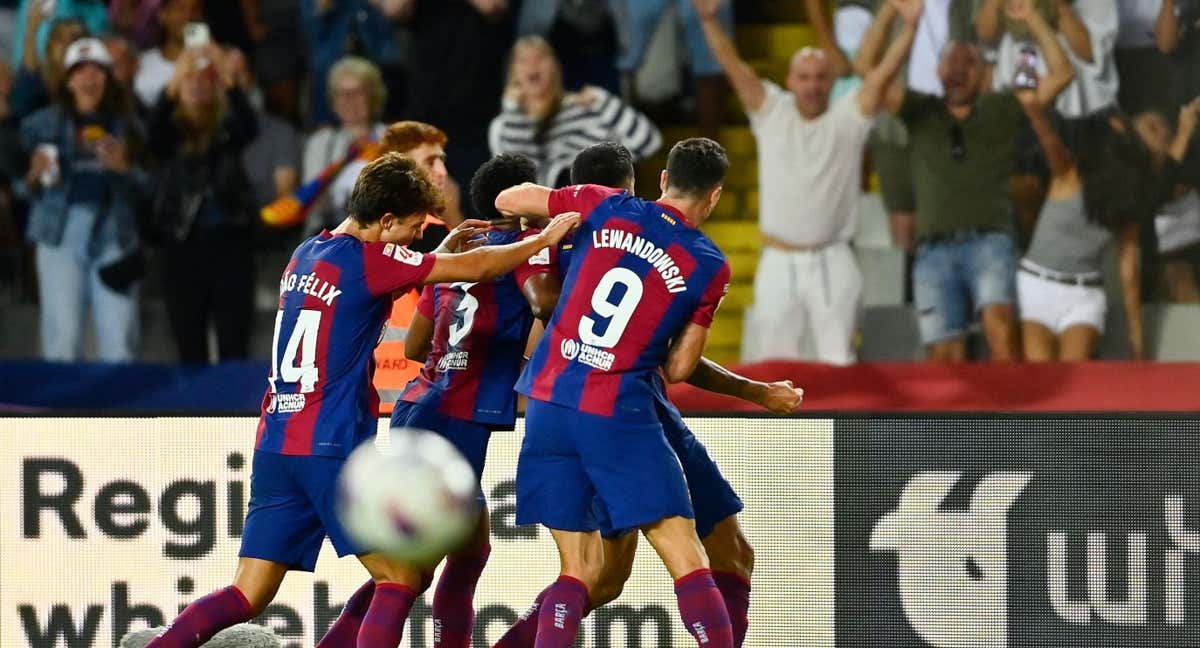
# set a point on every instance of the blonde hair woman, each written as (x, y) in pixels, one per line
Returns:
(357, 95)
(541, 119)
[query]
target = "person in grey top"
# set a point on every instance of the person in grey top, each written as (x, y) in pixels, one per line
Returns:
(1095, 198)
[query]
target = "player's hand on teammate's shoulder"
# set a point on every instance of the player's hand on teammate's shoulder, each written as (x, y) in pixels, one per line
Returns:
(469, 235)
(783, 397)
(559, 227)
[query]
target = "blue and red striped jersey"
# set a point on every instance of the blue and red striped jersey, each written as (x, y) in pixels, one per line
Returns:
(638, 274)
(478, 345)
(334, 299)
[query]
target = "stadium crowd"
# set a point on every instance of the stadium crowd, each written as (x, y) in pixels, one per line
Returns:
(1020, 141)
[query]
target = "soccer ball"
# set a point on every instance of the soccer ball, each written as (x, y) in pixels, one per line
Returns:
(413, 501)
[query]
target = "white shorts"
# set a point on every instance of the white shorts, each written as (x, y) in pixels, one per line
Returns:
(1059, 306)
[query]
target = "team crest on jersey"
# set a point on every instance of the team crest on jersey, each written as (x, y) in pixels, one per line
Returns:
(541, 258)
(591, 356)
(403, 254)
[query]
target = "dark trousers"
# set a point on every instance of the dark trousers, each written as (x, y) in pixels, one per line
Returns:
(210, 278)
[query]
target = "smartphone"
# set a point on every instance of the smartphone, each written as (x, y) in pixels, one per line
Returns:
(196, 35)
(1026, 76)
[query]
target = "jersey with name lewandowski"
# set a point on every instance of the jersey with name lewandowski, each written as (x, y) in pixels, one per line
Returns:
(639, 274)
(479, 335)
(334, 300)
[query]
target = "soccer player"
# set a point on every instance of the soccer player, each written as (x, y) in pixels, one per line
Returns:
(640, 293)
(333, 299)
(471, 338)
(714, 500)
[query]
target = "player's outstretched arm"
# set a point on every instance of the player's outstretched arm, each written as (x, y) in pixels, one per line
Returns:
(780, 397)
(524, 200)
(491, 261)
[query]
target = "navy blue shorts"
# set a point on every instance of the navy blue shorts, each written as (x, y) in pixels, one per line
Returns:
(468, 437)
(569, 457)
(712, 497)
(292, 509)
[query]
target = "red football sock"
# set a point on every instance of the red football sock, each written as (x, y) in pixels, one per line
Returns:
(453, 600)
(560, 613)
(384, 622)
(524, 631)
(735, 589)
(344, 631)
(204, 618)
(703, 611)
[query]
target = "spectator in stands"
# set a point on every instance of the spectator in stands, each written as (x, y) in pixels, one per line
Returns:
(39, 77)
(280, 66)
(85, 192)
(637, 21)
(124, 66)
(808, 289)
(203, 205)
(357, 90)
(1177, 34)
(1088, 32)
(157, 66)
(34, 22)
(965, 260)
(337, 29)
(457, 74)
(583, 33)
(943, 21)
(540, 119)
(1143, 70)
(1095, 197)
(137, 20)
(272, 159)
(1177, 220)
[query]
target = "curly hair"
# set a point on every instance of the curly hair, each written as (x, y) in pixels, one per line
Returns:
(393, 184)
(496, 175)
(404, 136)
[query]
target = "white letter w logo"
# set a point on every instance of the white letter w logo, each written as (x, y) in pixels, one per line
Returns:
(952, 568)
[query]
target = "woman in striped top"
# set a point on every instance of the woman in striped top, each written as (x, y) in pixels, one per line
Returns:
(540, 119)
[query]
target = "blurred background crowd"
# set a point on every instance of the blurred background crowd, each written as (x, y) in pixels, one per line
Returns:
(947, 179)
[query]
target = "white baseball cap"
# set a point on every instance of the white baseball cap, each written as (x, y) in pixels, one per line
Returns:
(88, 50)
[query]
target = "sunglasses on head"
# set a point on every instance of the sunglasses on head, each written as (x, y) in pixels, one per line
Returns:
(958, 143)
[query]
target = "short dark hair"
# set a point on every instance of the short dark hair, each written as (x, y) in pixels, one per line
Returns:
(607, 164)
(393, 183)
(496, 175)
(696, 166)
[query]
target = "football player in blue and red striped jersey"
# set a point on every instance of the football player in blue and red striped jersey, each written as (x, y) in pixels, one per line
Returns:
(640, 293)
(335, 295)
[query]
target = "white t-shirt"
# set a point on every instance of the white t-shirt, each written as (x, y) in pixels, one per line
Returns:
(1137, 18)
(1096, 84)
(809, 171)
(933, 32)
(154, 73)
(1178, 223)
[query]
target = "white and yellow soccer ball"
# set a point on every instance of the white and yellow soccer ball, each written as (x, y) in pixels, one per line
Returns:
(413, 499)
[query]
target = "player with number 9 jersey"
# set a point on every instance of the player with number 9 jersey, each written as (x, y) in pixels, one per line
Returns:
(639, 272)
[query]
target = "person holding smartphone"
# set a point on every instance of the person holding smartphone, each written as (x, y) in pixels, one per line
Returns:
(157, 66)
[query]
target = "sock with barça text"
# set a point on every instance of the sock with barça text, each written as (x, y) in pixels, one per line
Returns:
(204, 618)
(703, 611)
(524, 631)
(344, 631)
(561, 612)
(735, 589)
(383, 625)
(453, 600)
